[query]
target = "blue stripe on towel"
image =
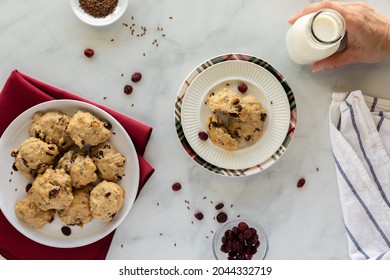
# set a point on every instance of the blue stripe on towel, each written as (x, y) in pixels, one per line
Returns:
(360, 201)
(381, 255)
(374, 104)
(365, 155)
(354, 241)
(378, 126)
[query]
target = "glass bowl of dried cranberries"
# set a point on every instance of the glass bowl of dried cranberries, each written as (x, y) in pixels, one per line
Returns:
(240, 239)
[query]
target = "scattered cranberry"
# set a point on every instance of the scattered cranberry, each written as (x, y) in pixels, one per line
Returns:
(222, 217)
(89, 52)
(301, 182)
(203, 135)
(199, 215)
(240, 242)
(128, 89)
(242, 87)
(219, 206)
(136, 77)
(66, 230)
(176, 187)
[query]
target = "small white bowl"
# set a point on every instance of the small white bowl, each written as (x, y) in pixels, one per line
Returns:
(111, 18)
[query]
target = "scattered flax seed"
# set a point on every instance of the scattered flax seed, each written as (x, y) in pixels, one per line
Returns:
(121, 245)
(188, 208)
(174, 244)
(105, 97)
(231, 206)
(204, 197)
(112, 40)
(207, 236)
(161, 234)
(158, 203)
(170, 17)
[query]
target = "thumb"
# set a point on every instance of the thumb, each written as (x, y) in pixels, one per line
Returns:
(334, 61)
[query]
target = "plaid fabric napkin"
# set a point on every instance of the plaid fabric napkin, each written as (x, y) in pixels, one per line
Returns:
(19, 93)
(360, 137)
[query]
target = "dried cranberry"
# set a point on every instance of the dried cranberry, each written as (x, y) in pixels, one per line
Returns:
(89, 52)
(66, 230)
(28, 187)
(128, 89)
(242, 226)
(219, 206)
(242, 87)
(301, 182)
(240, 242)
(222, 217)
(136, 77)
(203, 135)
(199, 215)
(176, 187)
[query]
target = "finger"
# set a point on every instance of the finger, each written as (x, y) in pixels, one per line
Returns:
(315, 7)
(335, 61)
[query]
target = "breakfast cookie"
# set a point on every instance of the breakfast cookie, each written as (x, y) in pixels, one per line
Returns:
(226, 102)
(26, 210)
(34, 156)
(219, 134)
(106, 199)
(109, 162)
(86, 129)
(235, 119)
(52, 190)
(248, 127)
(51, 128)
(78, 212)
(80, 167)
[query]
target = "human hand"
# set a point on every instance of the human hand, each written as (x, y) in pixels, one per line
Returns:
(368, 34)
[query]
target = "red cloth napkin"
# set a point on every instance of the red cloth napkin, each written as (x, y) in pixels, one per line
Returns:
(19, 93)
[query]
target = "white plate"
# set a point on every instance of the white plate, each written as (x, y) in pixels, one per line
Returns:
(114, 16)
(262, 85)
(13, 184)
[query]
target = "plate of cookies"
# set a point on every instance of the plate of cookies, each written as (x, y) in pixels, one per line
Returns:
(69, 173)
(235, 115)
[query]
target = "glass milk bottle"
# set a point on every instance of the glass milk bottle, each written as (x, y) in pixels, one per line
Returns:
(315, 36)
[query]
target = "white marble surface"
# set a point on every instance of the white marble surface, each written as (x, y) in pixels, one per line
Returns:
(44, 39)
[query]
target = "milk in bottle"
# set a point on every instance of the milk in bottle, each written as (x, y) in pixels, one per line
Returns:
(315, 36)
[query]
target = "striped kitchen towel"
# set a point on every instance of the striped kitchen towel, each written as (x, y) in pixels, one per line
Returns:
(360, 138)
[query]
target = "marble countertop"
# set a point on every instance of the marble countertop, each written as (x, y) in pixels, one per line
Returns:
(45, 39)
